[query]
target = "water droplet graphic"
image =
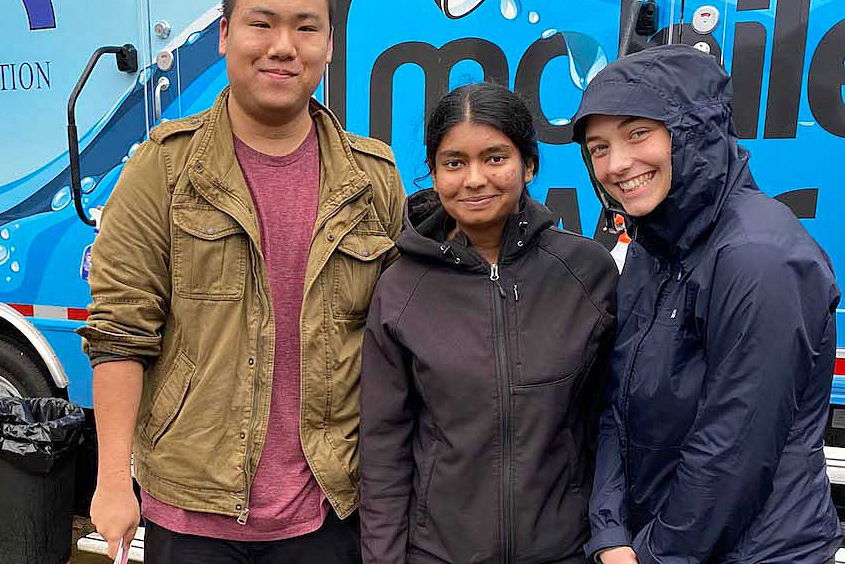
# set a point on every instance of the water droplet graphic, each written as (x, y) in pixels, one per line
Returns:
(124, 160)
(4, 234)
(548, 33)
(88, 185)
(807, 123)
(560, 121)
(133, 149)
(144, 75)
(193, 38)
(509, 8)
(458, 8)
(586, 58)
(8, 279)
(533, 17)
(62, 198)
(15, 266)
(4, 254)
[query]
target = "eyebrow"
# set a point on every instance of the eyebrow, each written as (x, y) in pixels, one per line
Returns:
(487, 151)
(623, 123)
(300, 16)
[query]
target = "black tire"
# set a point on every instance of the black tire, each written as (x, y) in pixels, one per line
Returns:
(21, 372)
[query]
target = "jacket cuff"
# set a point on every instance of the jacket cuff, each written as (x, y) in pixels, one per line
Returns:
(612, 537)
(104, 358)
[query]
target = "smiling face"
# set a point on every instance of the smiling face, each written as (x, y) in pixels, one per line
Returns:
(276, 52)
(632, 160)
(479, 175)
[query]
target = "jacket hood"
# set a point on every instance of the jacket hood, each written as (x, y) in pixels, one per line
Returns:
(691, 94)
(427, 226)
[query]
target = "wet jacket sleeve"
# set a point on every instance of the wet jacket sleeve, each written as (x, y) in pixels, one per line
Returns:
(607, 503)
(762, 321)
(387, 422)
(130, 281)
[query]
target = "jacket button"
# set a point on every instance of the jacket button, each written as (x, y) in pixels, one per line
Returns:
(365, 253)
(238, 507)
(330, 237)
(252, 362)
(519, 243)
(210, 231)
(199, 165)
(243, 435)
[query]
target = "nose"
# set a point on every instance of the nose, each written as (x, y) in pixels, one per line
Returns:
(283, 46)
(475, 177)
(618, 161)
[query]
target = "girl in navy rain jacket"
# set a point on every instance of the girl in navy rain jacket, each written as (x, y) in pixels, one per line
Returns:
(711, 447)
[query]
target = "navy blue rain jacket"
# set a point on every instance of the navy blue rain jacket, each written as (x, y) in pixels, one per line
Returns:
(711, 449)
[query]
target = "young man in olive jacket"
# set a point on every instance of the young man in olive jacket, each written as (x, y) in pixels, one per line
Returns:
(230, 285)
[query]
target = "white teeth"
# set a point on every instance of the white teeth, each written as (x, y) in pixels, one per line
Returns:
(636, 182)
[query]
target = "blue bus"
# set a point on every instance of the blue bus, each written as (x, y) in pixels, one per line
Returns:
(392, 61)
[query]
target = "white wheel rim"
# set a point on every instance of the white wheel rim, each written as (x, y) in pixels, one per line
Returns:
(7, 389)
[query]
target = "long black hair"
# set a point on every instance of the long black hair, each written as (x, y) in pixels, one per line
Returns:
(484, 103)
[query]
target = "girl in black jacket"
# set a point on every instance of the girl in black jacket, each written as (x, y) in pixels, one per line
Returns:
(711, 451)
(485, 352)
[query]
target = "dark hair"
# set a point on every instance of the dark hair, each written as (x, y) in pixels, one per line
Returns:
(228, 6)
(486, 104)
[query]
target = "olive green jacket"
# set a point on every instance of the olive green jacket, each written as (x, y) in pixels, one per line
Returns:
(179, 280)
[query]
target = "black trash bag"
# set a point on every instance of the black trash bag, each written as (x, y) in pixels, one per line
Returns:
(35, 433)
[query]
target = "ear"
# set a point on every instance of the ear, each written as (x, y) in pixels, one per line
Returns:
(529, 172)
(330, 51)
(224, 37)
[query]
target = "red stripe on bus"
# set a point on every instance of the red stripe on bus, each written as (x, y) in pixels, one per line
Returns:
(77, 314)
(839, 367)
(25, 310)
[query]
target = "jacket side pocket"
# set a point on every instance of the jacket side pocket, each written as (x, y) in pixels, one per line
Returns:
(170, 397)
(426, 476)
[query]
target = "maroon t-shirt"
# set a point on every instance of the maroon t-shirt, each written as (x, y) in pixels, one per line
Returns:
(285, 500)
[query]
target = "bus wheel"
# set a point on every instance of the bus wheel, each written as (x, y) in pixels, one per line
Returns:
(20, 373)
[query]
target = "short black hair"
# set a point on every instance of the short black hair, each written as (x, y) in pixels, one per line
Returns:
(486, 104)
(228, 6)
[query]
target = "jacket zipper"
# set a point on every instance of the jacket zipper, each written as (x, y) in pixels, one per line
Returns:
(244, 514)
(661, 294)
(499, 296)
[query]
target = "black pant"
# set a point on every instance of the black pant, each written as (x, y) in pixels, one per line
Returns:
(335, 542)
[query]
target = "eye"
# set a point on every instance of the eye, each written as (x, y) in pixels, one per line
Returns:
(452, 164)
(260, 25)
(639, 133)
(497, 159)
(597, 150)
(309, 28)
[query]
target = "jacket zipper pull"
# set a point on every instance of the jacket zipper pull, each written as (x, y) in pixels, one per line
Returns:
(243, 516)
(516, 293)
(494, 277)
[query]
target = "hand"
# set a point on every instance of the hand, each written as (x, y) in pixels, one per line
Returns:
(621, 555)
(115, 513)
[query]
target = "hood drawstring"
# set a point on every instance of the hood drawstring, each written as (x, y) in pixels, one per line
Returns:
(449, 254)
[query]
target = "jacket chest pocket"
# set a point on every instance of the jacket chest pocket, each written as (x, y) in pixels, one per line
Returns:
(209, 254)
(355, 268)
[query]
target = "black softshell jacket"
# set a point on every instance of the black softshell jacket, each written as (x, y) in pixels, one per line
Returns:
(712, 448)
(480, 393)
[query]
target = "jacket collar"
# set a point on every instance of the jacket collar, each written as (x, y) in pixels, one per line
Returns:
(427, 226)
(215, 173)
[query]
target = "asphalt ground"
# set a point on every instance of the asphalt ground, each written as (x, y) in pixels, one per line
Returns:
(81, 527)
